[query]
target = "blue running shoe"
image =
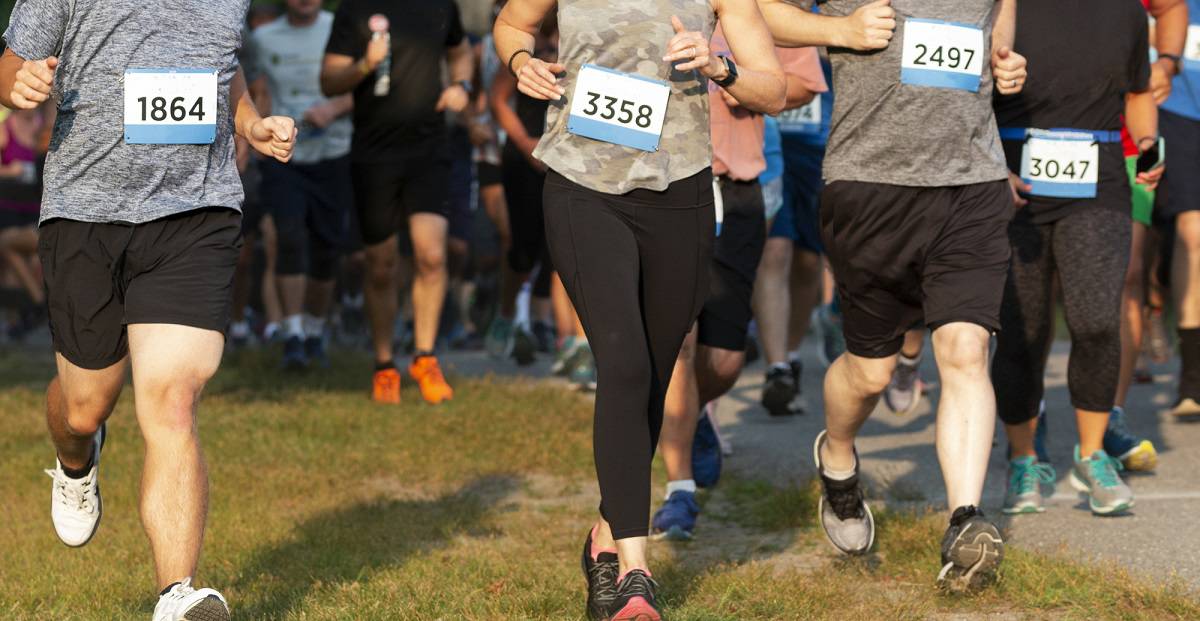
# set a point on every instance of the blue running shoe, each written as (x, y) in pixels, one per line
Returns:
(706, 453)
(676, 519)
(1136, 454)
(294, 358)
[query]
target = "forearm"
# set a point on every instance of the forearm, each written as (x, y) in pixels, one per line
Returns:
(10, 64)
(798, 93)
(1004, 30)
(759, 91)
(342, 74)
(245, 113)
(1171, 26)
(502, 91)
(461, 63)
(1141, 117)
(342, 105)
(792, 26)
(509, 41)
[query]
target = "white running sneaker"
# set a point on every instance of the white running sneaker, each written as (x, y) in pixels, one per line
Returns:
(183, 603)
(75, 505)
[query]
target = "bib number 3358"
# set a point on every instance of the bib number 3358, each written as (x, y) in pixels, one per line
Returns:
(170, 106)
(942, 55)
(619, 108)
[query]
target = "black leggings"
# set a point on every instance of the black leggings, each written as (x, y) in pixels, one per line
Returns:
(636, 268)
(1087, 251)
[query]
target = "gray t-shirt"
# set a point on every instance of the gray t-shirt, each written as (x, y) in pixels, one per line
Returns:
(884, 131)
(290, 58)
(92, 175)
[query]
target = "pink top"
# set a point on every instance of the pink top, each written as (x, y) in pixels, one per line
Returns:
(14, 151)
(737, 134)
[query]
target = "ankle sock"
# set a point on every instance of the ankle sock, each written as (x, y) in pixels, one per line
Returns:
(383, 366)
(910, 362)
(82, 472)
(684, 485)
(294, 325)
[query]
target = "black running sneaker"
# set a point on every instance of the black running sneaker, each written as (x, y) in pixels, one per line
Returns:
(971, 550)
(601, 573)
(635, 598)
(779, 390)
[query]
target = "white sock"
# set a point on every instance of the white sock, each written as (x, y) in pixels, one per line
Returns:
(239, 329)
(910, 362)
(687, 485)
(294, 325)
(783, 366)
(270, 329)
(314, 327)
(793, 356)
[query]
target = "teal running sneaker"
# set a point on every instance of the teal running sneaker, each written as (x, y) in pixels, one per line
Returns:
(1025, 479)
(499, 340)
(1097, 477)
(564, 360)
(584, 373)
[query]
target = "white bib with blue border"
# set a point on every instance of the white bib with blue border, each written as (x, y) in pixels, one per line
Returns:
(170, 106)
(942, 55)
(620, 108)
(1060, 164)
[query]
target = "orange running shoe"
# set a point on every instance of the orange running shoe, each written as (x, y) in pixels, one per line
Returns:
(386, 387)
(429, 377)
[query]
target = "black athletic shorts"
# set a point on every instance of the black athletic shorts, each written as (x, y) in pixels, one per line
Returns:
(311, 206)
(742, 232)
(252, 207)
(488, 174)
(387, 193)
(103, 277)
(459, 190)
(1181, 179)
(906, 256)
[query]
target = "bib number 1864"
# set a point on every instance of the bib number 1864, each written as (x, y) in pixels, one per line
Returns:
(170, 106)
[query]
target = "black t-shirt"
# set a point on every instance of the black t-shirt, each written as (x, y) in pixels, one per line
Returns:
(1084, 57)
(404, 121)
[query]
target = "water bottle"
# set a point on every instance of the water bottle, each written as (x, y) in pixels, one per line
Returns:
(383, 73)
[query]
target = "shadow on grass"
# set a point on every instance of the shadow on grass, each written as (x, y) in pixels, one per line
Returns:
(349, 545)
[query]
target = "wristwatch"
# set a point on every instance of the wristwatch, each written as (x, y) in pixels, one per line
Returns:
(731, 67)
(1175, 60)
(467, 86)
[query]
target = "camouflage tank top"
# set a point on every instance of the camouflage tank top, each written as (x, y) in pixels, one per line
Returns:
(630, 36)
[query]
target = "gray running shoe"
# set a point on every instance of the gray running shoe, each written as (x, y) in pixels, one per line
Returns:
(1097, 477)
(843, 513)
(499, 340)
(829, 327)
(903, 394)
(972, 550)
(584, 373)
(1025, 479)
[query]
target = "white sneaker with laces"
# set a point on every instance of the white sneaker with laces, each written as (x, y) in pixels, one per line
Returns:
(75, 504)
(183, 603)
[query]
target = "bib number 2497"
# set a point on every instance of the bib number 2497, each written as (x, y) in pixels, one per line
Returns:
(942, 55)
(619, 108)
(170, 106)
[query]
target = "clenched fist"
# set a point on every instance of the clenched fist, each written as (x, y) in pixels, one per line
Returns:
(33, 84)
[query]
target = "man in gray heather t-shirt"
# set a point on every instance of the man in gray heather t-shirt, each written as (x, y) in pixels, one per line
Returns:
(140, 232)
(914, 218)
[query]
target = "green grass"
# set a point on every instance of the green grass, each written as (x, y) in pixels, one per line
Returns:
(325, 506)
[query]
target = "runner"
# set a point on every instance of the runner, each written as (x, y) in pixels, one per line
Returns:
(1074, 227)
(890, 172)
(714, 353)
(19, 153)
(308, 199)
(138, 271)
(630, 219)
(400, 161)
(1180, 123)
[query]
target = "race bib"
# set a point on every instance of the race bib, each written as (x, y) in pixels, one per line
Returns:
(1060, 164)
(1191, 49)
(942, 55)
(170, 106)
(803, 120)
(619, 108)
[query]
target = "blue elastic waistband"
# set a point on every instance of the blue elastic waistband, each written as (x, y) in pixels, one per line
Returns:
(1101, 136)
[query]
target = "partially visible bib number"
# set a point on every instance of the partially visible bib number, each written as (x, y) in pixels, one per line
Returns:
(1060, 164)
(1191, 49)
(803, 120)
(942, 55)
(619, 108)
(170, 106)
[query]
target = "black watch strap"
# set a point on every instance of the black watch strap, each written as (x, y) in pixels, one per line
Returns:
(728, 80)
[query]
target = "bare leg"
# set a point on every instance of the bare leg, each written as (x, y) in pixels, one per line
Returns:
(772, 299)
(429, 284)
(1132, 315)
(1185, 269)
(171, 365)
(807, 276)
(681, 413)
(318, 297)
(966, 417)
(381, 295)
(78, 401)
(270, 290)
(852, 388)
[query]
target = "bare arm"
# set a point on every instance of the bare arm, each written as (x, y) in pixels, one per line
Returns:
(461, 63)
(1170, 35)
(341, 74)
(868, 28)
(798, 93)
(1008, 66)
(25, 84)
(516, 31)
(273, 136)
(260, 94)
(1004, 31)
(760, 86)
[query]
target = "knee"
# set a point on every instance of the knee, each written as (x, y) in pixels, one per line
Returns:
(725, 367)
(169, 405)
(1187, 230)
(868, 375)
(430, 259)
(85, 413)
(962, 349)
(381, 268)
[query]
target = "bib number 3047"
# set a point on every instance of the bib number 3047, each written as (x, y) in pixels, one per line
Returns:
(619, 108)
(170, 106)
(1060, 164)
(942, 55)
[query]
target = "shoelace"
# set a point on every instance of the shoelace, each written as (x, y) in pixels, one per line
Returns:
(181, 590)
(603, 575)
(637, 583)
(1104, 471)
(905, 376)
(847, 501)
(1027, 476)
(76, 496)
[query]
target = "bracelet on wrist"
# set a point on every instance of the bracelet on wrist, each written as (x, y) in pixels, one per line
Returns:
(514, 57)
